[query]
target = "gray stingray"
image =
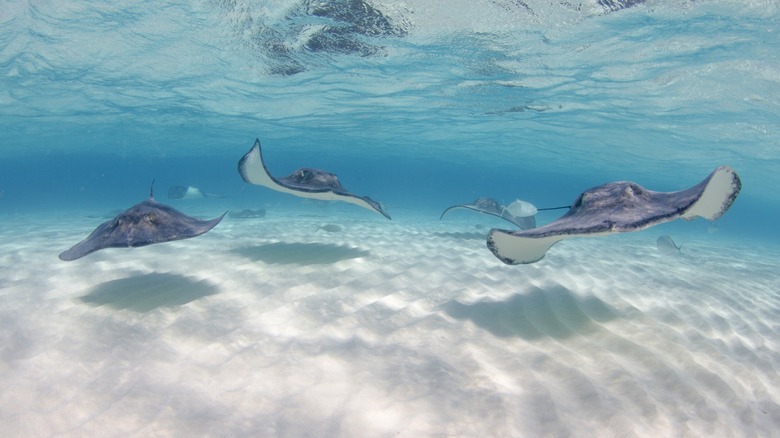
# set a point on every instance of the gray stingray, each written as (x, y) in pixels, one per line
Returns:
(247, 213)
(304, 182)
(492, 207)
(189, 192)
(146, 223)
(619, 207)
(666, 245)
(330, 228)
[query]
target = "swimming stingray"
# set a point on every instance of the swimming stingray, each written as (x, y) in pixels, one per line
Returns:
(304, 182)
(619, 207)
(247, 213)
(666, 245)
(520, 213)
(189, 192)
(492, 207)
(143, 224)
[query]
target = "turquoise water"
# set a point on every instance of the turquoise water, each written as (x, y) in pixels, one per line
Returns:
(418, 105)
(278, 326)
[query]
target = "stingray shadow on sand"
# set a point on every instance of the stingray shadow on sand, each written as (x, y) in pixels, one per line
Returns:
(146, 292)
(463, 235)
(554, 312)
(301, 254)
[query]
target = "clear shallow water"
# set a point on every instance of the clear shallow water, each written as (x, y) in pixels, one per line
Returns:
(491, 97)
(419, 105)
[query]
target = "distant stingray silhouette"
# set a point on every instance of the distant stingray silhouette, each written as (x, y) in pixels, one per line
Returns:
(666, 245)
(189, 192)
(520, 213)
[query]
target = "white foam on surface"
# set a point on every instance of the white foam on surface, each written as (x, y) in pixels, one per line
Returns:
(268, 327)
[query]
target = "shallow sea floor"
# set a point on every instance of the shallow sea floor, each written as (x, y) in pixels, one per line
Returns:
(273, 327)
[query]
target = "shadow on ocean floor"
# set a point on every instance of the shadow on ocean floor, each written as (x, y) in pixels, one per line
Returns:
(462, 235)
(552, 312)
(144, 293)
(300, 253)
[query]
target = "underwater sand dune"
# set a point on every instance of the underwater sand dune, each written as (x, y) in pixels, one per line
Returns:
(401, 329)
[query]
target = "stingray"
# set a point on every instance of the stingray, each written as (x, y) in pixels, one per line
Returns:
(492, 207)
(520, 208)
(520, 213)
(189, 192)
(146, 223)
(666, 245)
(247, 213)
(618, 207)
(304, 182)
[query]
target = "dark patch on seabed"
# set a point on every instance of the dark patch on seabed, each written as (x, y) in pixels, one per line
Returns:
(146, 292)
(463, 235)
(536, 313)
(301, 254)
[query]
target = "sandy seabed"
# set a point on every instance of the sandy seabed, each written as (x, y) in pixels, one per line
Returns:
(270, 327)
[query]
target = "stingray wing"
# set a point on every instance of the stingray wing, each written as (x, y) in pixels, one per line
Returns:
(253, 170)
(524, 223)
(617, 208)
(718, 192)
(144, 224)
(95, 241)
(177, 192)
(482, 205)
(493, 208)
(466, 207)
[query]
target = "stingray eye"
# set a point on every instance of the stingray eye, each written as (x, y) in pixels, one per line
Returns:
(633, 190)
(301, 175)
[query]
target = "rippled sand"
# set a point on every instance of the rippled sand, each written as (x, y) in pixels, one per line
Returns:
(271, 327)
